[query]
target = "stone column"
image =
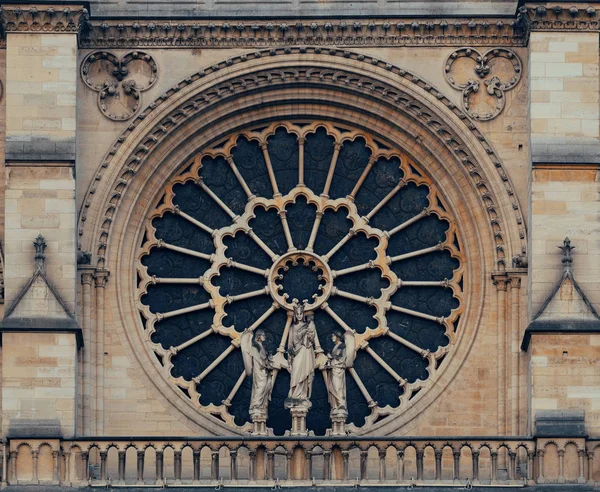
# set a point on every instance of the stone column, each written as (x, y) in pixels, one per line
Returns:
(140, 466)
(581, 455)
(456, 468)
(196, 456)
(87, 406)
(500, 281)
(561, 466)
(101, 278)
(475, 457)
(13, 468)
(56, 467)
(35, 455)
(400, 472)
(438, 464)
(67, 457)
(540, 477)
(214, 465)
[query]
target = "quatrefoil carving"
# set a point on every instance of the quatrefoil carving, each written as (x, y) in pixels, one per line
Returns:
(483, 79)
(119, 81)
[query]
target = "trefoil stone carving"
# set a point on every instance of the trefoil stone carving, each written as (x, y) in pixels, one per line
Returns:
(496, 72)
(119, 82)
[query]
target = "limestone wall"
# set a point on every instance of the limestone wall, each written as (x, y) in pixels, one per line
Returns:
(39, 374)
(565, 376)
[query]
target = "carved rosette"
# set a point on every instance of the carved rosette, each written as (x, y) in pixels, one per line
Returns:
(483, 79)
(352, 261)
(119, 82)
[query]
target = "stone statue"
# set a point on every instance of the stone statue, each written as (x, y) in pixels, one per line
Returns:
(338, 360)
(301, 358)
(259, 365)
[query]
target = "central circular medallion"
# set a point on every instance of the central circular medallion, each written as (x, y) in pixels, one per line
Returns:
(300, 276)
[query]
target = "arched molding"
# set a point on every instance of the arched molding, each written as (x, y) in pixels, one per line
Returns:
(386, 101)
(342, 69)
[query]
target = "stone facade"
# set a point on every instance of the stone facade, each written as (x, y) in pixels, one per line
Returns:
(493, 105)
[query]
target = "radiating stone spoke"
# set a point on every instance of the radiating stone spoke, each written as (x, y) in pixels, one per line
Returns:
(424, 213)
(354, 297)
(239, 177)
(408, 344)
(214, 363)
(248, 268)
(301, 142)
(354, 269)
(336, 152)
(179, 249)
(419, 252)
(315, 229)
(386, 199)
(196, 222)
(417, 314)
(235, 389)
(416, 283)
(362, 178)
(401, 381)
(164, 280)
(216, 199)
(247, 295)
(192, 341)
(337, 319)
(270, 171)
(263, 317)
(363, 389)
(190, 309)
(286, 230)
(261, 244)
(341, 242)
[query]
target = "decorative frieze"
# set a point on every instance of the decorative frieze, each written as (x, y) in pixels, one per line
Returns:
(252, 33)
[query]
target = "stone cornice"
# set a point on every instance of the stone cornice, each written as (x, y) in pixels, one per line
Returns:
(41, 18)
(292, 32)
(554, 16)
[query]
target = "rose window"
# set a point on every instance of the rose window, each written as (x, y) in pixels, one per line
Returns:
(310, 213)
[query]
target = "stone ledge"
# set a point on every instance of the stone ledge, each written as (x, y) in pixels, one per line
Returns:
(560, 424)
(562, 326)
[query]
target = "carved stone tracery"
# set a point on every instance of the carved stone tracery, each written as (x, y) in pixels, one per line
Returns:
(497, 70)
(297, 250)
(119, 82)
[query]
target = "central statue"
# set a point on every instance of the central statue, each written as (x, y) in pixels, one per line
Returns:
(301, 358)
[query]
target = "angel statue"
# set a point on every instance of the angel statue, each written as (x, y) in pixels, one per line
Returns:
(301, 358)
(259, 365)
(338, 360)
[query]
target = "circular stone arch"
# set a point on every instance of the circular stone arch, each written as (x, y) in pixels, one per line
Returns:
(294, 83)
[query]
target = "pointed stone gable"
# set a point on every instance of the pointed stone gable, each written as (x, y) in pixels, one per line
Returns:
(39, 307)
(567, 309)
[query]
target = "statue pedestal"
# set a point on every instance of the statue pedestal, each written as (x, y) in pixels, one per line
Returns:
(338, 425)
(299, 414)
(259, 425)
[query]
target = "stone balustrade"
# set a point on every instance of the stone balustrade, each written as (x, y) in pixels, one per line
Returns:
(241, 461)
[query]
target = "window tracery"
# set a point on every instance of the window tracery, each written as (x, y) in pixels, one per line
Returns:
(307, 211)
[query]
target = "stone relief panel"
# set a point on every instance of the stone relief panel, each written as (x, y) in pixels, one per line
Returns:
(119, 81)
(301, 236)
(483, 79)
